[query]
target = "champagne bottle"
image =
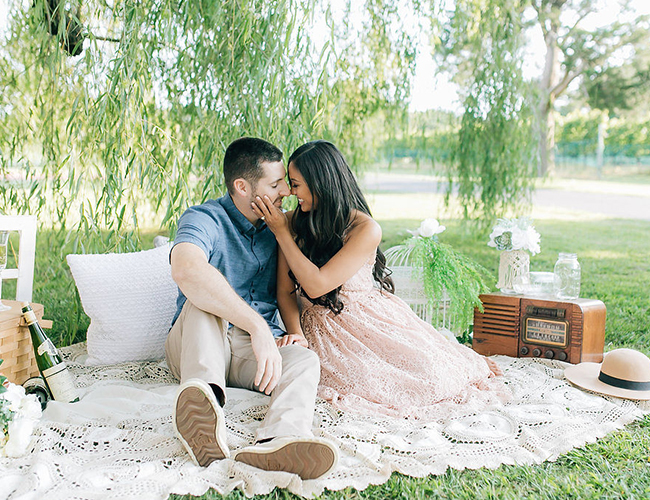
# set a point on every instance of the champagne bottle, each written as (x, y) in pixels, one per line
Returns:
(38, 387)
(55, 372)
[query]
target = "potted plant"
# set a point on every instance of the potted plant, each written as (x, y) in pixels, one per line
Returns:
(444, 274)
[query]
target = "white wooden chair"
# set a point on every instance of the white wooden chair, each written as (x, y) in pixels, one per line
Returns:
(24, 270)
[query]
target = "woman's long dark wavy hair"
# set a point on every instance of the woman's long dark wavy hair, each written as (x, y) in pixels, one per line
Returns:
(320, 232)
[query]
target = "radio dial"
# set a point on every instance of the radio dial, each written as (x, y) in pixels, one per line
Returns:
(549, 354)
(537, 352)
(524, 350)
(562, 356)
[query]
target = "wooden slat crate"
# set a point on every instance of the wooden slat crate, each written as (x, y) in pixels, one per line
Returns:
(15, 343)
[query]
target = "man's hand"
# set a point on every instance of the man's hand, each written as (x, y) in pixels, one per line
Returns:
(292, 338)
(269, 361)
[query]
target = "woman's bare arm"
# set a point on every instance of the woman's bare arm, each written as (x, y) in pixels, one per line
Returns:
(288, 305)
(362, 241)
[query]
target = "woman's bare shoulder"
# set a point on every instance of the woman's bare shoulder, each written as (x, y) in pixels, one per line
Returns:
(363, 223)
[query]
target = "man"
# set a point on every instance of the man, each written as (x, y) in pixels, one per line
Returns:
(226, 327)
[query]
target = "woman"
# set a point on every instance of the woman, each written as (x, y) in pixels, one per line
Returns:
(376, 354)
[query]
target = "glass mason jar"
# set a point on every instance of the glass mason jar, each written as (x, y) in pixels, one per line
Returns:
(567, 276)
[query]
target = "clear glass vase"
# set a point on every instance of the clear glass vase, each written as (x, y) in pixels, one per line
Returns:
(514, 271)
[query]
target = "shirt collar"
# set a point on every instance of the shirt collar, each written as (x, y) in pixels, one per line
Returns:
(238, 219)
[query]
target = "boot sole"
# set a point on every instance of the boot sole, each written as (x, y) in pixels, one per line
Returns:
(306, 459)
(197, 423)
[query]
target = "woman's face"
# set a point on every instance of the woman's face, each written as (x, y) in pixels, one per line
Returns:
(300, 190)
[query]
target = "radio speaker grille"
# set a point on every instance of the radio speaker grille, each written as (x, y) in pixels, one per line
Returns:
(498, 319)
(496, 329)
(576, 320)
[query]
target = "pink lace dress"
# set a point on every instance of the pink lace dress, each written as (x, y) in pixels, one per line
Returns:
(378, 356)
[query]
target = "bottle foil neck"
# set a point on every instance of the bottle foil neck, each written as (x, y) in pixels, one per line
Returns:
(30, 317)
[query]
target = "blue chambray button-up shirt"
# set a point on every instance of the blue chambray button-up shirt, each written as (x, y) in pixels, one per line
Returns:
(246, 255)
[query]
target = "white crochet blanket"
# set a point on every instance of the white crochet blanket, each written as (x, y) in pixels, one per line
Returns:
(118, 441)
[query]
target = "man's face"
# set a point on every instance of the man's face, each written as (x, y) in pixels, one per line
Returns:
(272, 183)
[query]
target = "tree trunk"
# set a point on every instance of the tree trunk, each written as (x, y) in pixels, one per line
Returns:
(546, 164)
(600, 152)
(550, 78)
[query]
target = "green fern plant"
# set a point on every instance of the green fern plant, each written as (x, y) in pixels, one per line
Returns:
(442, 270)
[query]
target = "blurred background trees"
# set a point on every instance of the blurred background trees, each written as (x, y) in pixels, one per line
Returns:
(571, 51)
(115, 115)
(492, 158)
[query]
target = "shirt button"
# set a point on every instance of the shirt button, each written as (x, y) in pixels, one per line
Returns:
(252, 291)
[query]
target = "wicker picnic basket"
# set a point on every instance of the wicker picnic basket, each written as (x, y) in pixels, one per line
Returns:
(16, 345)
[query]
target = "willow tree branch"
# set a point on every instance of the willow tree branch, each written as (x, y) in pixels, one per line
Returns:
(106, 38)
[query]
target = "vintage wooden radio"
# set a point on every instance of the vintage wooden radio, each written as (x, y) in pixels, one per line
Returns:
(522, 326)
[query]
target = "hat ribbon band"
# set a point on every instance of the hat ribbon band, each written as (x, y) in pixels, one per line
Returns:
(623, 384)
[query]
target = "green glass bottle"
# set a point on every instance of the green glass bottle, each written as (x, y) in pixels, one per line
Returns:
(55, 372)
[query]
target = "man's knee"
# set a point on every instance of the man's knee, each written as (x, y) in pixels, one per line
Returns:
(299, 361)
(199, 317)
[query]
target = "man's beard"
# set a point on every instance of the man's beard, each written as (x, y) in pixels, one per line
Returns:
(275, 202)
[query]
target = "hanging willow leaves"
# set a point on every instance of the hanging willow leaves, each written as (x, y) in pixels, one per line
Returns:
(115, 116)
(493, 159)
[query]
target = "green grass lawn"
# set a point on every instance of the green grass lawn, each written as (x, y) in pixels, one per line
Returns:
(615, 262)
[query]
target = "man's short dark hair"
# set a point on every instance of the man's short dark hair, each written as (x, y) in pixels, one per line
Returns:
(243, 159)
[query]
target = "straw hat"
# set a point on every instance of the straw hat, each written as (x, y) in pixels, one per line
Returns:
(624, 373)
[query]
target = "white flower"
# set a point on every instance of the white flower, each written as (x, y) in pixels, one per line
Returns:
(30, 407)
(20, 434)
(13, 395)
(27, 410)
(428, 228)
(526, 240)
(515, 234)
(496, 232)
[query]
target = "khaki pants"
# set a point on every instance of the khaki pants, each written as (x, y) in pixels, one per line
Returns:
(200, 345)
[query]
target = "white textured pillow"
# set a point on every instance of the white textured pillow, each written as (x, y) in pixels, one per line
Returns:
(130, 299)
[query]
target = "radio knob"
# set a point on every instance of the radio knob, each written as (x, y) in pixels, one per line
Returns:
(524, 350)
(549, 354)
(537, 352)
(562, 356)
